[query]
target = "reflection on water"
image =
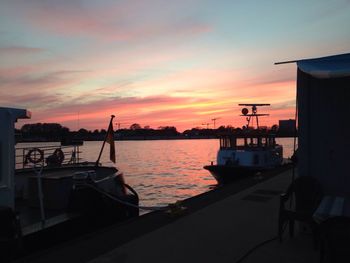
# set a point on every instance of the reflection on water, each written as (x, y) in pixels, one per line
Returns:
(164, 171)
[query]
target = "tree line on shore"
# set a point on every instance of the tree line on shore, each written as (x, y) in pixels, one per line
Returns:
(57, 132)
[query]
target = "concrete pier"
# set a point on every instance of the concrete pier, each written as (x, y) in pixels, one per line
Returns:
(219, 226)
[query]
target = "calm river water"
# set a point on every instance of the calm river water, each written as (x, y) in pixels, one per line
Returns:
(164, 171)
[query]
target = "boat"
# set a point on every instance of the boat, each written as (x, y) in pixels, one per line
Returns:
(48, 194)
(246, 151)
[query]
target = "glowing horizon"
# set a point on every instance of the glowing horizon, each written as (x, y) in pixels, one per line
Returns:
(160, 63)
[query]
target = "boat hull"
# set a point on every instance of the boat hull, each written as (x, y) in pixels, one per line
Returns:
(77, 199)
(229, 173)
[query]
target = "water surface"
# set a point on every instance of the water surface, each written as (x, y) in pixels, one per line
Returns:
(163, 171)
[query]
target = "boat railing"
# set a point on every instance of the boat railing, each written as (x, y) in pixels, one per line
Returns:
(69, 154)
(247, 148)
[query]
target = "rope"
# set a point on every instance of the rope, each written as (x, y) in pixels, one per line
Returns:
(149, 208)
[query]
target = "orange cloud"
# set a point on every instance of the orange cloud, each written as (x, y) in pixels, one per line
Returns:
(182, 112)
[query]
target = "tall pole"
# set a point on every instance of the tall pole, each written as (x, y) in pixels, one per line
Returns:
(214, 119)
(104, 142)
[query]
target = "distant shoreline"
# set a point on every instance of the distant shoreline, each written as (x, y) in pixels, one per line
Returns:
(139, 138)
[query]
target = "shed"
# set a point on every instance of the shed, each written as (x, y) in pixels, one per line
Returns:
(323, 99)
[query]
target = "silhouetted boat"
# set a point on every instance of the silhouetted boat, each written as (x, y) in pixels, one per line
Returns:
(52, 195)
(246, 152)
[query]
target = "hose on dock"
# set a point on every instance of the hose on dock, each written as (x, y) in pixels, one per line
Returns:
(250, 251)
(254, 248)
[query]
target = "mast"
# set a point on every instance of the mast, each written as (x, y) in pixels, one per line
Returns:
(254, 114)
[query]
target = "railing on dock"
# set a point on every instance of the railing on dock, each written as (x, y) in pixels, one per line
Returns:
(71, 155)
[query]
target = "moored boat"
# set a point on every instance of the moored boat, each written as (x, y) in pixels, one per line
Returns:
(246, 152)
(48, 194)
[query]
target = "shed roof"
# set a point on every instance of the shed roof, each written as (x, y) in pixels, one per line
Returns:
(336, 66)
(326, 67)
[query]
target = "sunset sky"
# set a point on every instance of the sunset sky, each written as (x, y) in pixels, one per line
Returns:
(160, 63)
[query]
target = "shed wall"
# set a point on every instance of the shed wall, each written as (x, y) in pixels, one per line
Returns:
(324, 129)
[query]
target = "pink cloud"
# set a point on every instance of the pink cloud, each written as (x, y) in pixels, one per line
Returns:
(120, 21)
(26, 87)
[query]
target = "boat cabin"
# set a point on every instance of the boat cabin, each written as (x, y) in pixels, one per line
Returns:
(252, 149)
(247, 141)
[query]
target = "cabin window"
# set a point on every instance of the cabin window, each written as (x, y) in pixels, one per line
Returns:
(227, 142)
(270, 141)
(224, 143)
(238, 142)
(253, 142)
(233, 142)
(259, 142)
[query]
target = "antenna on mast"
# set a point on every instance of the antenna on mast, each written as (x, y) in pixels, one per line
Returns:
(245, 112)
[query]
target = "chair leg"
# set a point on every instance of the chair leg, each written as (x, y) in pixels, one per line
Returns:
(291, 228)
(280, 228)
(316, 236)
(280, 233)
(321, 252)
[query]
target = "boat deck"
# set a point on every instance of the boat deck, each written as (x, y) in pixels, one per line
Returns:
(30, 218)
(56, 183)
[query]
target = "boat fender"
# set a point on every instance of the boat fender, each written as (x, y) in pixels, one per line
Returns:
(35, 156)
(58, 153)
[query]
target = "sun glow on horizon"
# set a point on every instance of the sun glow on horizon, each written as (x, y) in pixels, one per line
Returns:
(82, 61)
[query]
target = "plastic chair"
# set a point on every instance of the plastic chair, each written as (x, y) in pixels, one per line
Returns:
(305, 195)
(335, 239)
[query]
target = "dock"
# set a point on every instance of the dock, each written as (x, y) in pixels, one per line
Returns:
(222, 225)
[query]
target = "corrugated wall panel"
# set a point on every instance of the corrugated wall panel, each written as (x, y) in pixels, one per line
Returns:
(324, 131)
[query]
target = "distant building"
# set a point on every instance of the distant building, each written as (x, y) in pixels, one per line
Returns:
(286, 126)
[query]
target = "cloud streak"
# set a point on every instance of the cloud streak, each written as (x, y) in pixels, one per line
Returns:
(19, 50)
(113, 22)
